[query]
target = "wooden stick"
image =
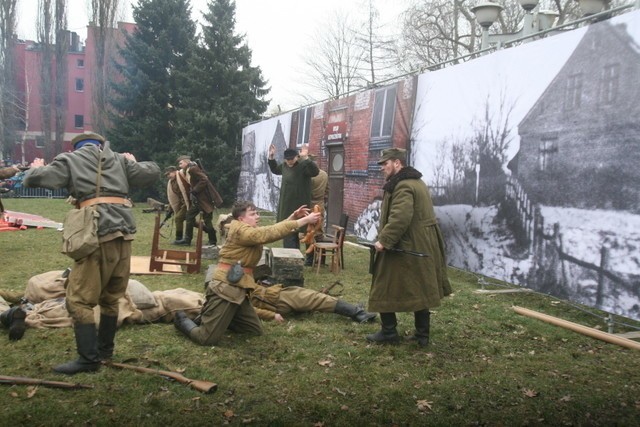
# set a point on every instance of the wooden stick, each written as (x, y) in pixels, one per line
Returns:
(591, 332)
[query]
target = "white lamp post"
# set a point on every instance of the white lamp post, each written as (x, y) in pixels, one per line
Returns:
(591, 7)
(487, 13)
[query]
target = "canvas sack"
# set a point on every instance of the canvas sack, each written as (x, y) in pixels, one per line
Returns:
(80, 232)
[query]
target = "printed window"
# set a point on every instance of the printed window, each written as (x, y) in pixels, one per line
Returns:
(79, 121)
(80, 85)
(574, 91)
(383, 110)
(610, 83)
(80, 63)
(304, 126)
(547, 153)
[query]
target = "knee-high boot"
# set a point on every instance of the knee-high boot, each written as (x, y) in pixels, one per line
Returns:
(421, 321)
(87, 346)
(355, 312)
(106, 336)
(183, 323)
(388, 334)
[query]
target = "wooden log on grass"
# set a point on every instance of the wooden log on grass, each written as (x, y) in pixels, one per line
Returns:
(591, 332)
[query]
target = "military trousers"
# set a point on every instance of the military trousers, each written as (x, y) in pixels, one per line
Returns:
(100, 278)
(178, 219)
(295, 299)
(191, 215)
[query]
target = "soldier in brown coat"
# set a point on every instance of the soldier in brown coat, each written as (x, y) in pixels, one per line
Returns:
(401, 281)
(203, 197)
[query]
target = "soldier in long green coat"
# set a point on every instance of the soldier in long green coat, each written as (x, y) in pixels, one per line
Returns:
(403, 282)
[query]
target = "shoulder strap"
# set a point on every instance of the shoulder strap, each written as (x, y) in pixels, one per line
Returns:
(99, 177)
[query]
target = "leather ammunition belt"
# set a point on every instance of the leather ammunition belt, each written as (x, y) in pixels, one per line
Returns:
(225, 267)
(98, 200)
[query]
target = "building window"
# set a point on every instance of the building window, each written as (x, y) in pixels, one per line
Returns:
(79, 121)
(574, 91)
(39, 142)
(80, 63)
(80, 85)
(609, 84)
(304, 126)
(383, 110)
(548, 151)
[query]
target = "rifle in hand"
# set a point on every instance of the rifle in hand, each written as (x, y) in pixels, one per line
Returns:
(200, 385)
(372, 252)
(166, 218)
(35, 381)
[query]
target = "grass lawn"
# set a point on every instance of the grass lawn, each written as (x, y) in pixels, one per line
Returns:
(486, 365)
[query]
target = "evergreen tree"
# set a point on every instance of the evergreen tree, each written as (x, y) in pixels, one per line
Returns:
(223, 93)
(149, 93)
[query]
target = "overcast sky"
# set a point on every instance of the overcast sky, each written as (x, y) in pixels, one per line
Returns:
(277, 31)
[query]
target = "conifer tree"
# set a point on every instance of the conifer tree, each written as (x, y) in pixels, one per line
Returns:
(149, 93)
(223, 93)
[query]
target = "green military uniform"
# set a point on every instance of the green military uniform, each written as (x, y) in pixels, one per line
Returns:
(226, 304)
(403, 282)
(291, 299)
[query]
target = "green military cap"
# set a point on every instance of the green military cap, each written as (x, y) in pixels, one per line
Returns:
(86, 138)
(170, 169)
(187, 158)
(393, 154)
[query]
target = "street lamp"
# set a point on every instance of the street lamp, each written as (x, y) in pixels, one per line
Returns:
(591, 7)
(487, 13)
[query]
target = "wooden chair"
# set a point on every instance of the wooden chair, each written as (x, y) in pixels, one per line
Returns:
(328, 237)
(322, 249)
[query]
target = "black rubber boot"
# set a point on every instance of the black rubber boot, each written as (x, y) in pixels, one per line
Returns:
(355, 312)
(388, 334)
(106, 335)
(308, 261)
(213, 238)
(87, 346)
(14, 320)
(421, 321)
(183, 242)
(183, 323)
(178, 238)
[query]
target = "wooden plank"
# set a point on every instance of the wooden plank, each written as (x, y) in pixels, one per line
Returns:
(501, 291)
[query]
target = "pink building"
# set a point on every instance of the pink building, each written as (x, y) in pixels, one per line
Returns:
(79, 100)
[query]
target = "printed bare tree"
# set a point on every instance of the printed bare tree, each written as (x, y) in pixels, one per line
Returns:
(8, 93)
(103, 15)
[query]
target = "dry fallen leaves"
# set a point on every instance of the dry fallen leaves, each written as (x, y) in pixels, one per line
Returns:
(529, 392)
(325, 363)
(31, 391)
(424, 405)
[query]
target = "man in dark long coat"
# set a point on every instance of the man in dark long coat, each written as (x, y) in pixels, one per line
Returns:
(295, 190)
(403, 282)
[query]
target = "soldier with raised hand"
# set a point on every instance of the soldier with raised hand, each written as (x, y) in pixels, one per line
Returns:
(101, 277)
(227, 305)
